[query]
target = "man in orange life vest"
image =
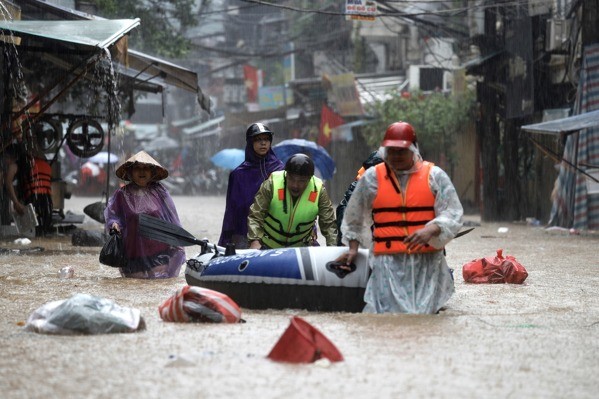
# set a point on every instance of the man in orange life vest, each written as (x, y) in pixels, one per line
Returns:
(415, 211)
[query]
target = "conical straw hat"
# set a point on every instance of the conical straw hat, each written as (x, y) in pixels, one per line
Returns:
(142, 157)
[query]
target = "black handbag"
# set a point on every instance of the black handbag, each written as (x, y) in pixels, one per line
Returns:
(113, 251)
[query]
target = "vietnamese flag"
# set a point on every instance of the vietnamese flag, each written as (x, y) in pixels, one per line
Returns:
(328, 120)
(251, 80)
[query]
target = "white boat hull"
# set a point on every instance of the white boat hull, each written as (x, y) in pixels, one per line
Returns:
(283, 278)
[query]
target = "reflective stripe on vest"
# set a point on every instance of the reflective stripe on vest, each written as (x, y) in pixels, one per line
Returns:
(395, 215)
(39, 180)
(294, 227)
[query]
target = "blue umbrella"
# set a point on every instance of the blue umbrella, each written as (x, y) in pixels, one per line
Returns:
(322, 160)
(104, 157)
(229, 158)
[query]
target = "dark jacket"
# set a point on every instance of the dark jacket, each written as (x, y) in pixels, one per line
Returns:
(373, 159)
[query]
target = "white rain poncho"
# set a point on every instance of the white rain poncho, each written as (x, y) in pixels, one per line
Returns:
(405, 283)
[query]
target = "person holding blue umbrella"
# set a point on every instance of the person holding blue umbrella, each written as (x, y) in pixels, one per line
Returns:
(244, 181)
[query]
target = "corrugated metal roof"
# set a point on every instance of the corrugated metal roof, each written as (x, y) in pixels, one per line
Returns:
(155, 69)
(371, 89)
(200, 128)
(170, 73)
(565, 125)
(95, 33)
(194, 120)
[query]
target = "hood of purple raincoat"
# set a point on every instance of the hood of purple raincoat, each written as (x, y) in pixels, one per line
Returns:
(244, 183)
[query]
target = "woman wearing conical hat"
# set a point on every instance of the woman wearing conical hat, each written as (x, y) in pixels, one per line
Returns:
(144, 193)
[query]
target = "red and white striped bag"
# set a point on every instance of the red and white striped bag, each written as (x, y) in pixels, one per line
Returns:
(196, 304)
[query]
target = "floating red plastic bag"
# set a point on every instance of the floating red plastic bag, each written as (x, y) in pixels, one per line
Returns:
(303, 343)
(196, 304)
(494, 270)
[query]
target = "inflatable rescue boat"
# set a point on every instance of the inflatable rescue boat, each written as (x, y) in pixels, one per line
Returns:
(302, 278)
(311, 278)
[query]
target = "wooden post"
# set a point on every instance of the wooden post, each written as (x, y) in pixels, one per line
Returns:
(489, 143)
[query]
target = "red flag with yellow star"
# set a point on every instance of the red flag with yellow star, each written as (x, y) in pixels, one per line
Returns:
(328, 120)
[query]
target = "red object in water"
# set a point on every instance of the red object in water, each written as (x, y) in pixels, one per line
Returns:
(303, 343)
(494, 270)
(197, 304)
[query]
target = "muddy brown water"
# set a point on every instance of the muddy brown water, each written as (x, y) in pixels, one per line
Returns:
(536, 340)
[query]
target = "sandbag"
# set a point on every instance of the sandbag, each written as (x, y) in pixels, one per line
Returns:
(494, 270)
(196, 304)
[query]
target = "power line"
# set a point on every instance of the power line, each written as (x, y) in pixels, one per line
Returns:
(226, 10)
(395, 12)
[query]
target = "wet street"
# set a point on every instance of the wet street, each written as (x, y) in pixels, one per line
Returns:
(536, 340)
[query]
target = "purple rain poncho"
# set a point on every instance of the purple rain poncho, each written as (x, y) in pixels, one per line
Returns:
(244, 183)
(147, 258)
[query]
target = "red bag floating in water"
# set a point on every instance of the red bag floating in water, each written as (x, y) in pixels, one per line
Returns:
(303, 343)
(494, 270)
(196, 304)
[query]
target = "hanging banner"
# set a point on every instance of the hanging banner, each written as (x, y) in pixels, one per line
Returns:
(289, 63)
(252, 81)
(345, 94)
(272, 97)
(360, 10)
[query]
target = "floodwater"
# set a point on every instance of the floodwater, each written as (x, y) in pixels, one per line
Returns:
(537, 340)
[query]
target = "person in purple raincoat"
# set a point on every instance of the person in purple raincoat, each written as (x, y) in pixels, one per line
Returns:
(244, 182)
(144, 193)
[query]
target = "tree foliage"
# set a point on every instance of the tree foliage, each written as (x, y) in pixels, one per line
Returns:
(437, 118)
(163, 23)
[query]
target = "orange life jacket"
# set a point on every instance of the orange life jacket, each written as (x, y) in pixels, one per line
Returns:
(397, 215)
(39, 180)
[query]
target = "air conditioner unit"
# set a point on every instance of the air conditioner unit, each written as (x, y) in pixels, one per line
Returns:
(476, 18)
(476, 23)
(557, 34)
(427, 78)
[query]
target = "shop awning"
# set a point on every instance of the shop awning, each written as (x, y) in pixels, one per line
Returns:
(147, 70)
(565, 126)
(137, 81)
(345, 132)
(168, 73)
(182, 123)
(200, 129)
(88, 34)
(378, 87)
